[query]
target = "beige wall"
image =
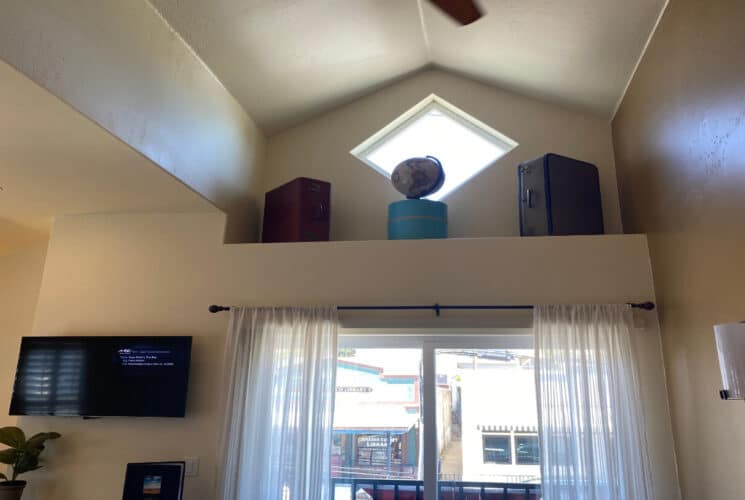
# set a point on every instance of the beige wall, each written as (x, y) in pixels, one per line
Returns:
(120, 64)
(16, 237)
(487, 205)
(156, 275)
(20, 280)
(680, 144)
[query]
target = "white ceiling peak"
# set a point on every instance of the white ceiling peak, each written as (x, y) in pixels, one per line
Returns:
(287, 60)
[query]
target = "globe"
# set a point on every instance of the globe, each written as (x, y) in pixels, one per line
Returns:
(418, 177)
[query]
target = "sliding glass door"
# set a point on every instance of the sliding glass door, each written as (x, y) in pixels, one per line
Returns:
(487, 423)
(425, 417)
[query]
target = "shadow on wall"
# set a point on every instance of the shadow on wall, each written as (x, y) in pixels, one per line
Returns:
(20, 279)
(16, 237)
(242, 223)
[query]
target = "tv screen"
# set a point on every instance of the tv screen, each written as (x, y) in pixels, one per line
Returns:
(102, 376)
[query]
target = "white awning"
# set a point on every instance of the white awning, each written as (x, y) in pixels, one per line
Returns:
(374, 418)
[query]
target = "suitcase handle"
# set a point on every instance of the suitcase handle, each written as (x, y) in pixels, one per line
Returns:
(529, 197)
(322, 214)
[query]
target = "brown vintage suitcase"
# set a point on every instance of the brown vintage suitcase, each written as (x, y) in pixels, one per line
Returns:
(297, 211)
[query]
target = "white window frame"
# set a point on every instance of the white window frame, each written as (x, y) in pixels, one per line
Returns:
(430, 102)
(429, 343)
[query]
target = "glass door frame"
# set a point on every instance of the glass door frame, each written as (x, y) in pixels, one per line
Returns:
(429, 343)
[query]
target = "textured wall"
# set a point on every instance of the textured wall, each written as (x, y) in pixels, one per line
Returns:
(680, 153)
(487, 204)
(120, 64)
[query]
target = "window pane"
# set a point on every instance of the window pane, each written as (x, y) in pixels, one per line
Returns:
(527, 451)
(462, 151)
(487, 416)
(463, 144)
(377, 418)
(497, 449)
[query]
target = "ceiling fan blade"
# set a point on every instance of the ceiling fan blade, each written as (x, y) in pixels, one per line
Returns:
(463, 11)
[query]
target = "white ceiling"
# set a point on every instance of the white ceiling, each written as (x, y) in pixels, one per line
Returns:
(286, 60)
(54, 161)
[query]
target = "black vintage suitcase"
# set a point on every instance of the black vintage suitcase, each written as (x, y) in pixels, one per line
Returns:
(559, 196)
(297, 211)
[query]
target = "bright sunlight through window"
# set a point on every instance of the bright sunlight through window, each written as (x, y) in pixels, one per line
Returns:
(434, 127)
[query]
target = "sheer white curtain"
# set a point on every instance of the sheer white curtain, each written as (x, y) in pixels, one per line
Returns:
(593, 441)
(280, 366)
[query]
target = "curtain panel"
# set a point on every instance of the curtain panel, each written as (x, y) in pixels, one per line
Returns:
(592, 433)
(280, 366)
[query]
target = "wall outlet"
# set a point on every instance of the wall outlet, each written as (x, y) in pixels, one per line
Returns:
(192, 467)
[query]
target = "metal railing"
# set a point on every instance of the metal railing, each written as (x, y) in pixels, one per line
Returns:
(486, 478)
(375, 472)
(394, 489)
(379, 489)
(468, 490)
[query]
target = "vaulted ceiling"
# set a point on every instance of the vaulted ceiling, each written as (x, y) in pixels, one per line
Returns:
(286, 60)
(283, 60)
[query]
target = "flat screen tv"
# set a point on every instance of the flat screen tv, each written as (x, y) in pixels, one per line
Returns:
(102, 376)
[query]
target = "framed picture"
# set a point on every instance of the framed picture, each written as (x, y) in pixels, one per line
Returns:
(154, 481)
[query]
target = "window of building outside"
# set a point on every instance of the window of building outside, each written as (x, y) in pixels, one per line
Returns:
(497, 449)
(527, 451)
(444, 411)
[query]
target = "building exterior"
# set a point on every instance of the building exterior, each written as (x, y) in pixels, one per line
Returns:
(376, 418)
(487, 426)
(496, 414)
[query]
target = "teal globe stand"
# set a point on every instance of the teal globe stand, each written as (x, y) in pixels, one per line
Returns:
(417, 219)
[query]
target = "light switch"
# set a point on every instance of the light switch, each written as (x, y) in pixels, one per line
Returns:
(192, 467)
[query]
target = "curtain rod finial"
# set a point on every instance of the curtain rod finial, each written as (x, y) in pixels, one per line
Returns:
(216, 309)
(647, 306)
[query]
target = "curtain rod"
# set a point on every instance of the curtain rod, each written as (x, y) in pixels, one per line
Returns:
(647, 306)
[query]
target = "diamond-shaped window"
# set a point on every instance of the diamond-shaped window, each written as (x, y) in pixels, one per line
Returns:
(464, 145)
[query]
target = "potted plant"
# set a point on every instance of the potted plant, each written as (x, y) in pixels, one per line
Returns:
(22, 457)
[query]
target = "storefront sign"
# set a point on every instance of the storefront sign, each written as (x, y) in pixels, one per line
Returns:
(352, 388)
(372, 441)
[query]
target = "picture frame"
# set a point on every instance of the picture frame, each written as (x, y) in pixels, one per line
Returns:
(154, 481)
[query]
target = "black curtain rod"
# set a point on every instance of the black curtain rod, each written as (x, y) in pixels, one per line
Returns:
(647, 306)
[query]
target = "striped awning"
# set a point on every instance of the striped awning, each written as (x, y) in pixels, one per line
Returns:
(507, 428)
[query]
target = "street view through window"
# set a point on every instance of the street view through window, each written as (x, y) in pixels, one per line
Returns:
(486, 421)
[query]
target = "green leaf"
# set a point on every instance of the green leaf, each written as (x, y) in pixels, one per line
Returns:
(46, 435)
(13, 437)
(26, 463)
(10, 456)
(35, 445)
